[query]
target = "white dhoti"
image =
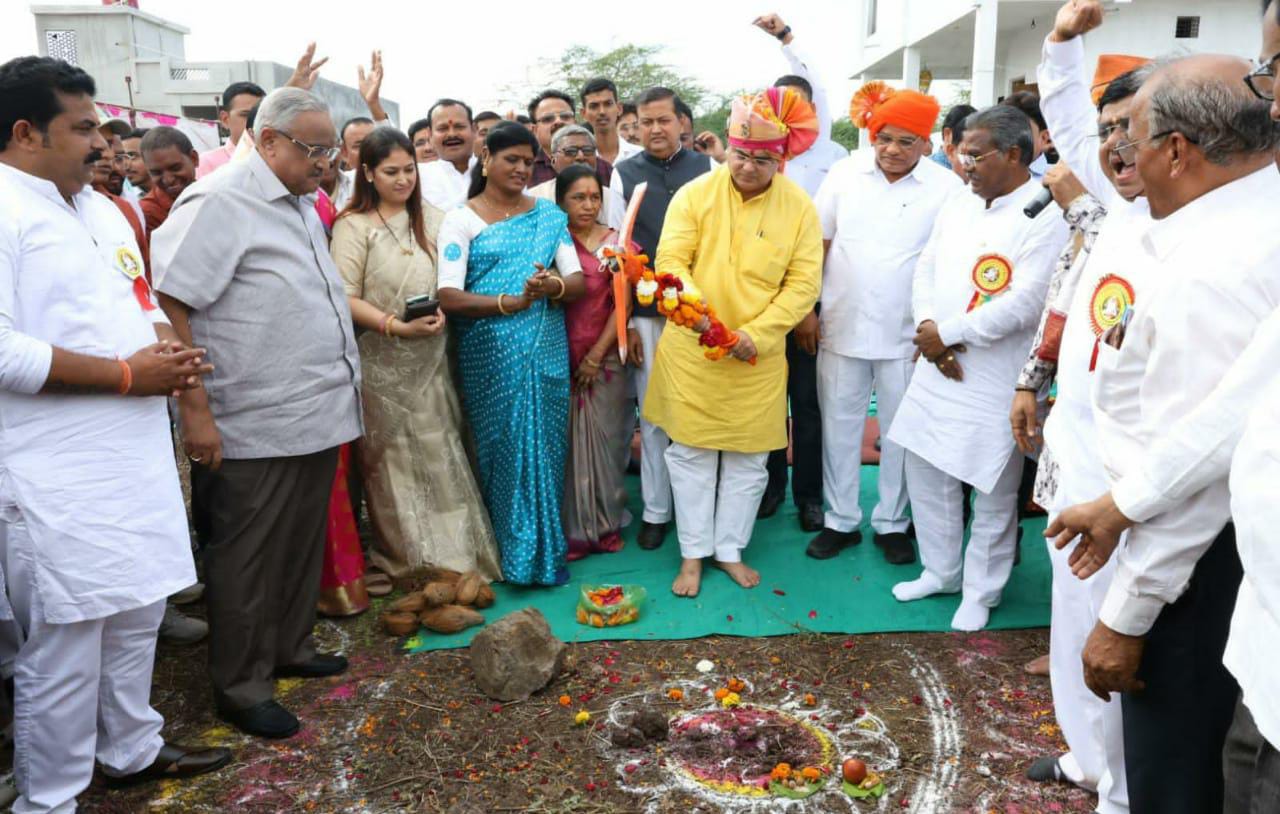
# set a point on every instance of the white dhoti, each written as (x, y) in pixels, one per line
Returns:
(937, 504)
(717, 495)
(82, 690)
(655, 482)
(844, 395)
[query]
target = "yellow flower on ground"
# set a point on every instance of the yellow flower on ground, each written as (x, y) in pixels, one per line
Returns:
(582, 717)
(730, 700)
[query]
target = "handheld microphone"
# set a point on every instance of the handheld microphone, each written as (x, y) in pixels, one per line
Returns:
(1043, 198)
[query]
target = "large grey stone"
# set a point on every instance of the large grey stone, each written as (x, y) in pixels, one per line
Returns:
(516, 656)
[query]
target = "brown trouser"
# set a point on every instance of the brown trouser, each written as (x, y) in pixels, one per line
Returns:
(262, 568)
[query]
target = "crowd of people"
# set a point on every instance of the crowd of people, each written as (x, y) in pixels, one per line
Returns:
(1066, 299)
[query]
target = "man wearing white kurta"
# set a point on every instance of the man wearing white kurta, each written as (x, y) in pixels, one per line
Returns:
(1109, 284)
(979, 287)
(94, 530)
(877, 209)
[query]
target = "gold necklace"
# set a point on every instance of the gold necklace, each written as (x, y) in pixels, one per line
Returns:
(406, 252)
(493, 207)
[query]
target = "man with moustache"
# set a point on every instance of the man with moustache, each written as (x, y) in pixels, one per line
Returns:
(93, 533)
(445, 181)
(172, 163)
(551, 110)
(420, 135)
(484, 122)
(629, 124)
(136, 176)
(108, 181)
(601, 109)
(240, 256)
(238, 100)
(666, 167)
(1204, 146)
(571, 145)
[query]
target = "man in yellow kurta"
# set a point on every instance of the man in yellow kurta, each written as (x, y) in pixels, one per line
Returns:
(750, 240)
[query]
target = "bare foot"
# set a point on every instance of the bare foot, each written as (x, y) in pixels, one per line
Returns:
(689, 580)
(741, 573)
(1038, 666)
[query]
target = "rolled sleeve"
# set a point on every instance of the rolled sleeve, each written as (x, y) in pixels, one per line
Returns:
(196, 252)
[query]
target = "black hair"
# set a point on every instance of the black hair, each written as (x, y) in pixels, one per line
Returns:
(448, 103)
(1007, 129)
(342, 134)
(484, 116)
(549, 94)
(252, 117)
(657, 94)
(1029, 104)
(523, 119)
(629, 108)
(240, 88)
(158, 138)
(29, 88)
(364, 196)
(420, 124)
(571, 175)
(141, 132)
(792, 81)
(1122, 87)
(954, 120)
(596, 86)
(503, 136)
(683, 109)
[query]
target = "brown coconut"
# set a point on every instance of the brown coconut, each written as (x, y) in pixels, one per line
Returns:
(436, 594)
(485, 597)
(414, 603)
(450, 619)
(399, 623)
(469, 587)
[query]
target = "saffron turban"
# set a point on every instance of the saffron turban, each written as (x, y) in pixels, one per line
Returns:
(876, 105)
(778, 120)
(1111, 67)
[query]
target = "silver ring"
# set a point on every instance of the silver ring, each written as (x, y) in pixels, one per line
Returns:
(195, 458)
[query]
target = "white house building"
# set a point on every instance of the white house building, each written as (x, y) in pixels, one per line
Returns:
(138, 60)
(995, 44)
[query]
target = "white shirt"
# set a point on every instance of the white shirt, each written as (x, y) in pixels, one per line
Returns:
(442, 185)
(877, 230)
(810, 168)
(1213, 297)
(1255, 509)
(92, 476)
(962, 427)
(625, 150)
(1071, 116)
(343, 189)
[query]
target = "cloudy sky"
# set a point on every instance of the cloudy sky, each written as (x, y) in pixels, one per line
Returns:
(471, 50)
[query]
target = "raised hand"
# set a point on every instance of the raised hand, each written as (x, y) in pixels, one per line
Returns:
(307, 71)
(370, 84)
(1076, 17)
(771, 24)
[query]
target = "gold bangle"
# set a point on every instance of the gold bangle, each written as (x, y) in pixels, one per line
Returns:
(502, 310)
(559, 280)
(386, 324)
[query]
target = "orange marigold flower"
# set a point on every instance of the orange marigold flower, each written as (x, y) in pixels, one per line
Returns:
(811, 774)
(780, 772)
(565, 700)
(721, 693)
(675, 694)
(737, 685)
(810, 700)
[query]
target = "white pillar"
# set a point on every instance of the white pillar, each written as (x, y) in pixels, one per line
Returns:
(984, 54)
(911, 68)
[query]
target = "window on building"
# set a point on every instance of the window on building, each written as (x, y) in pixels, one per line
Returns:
(1187, 28)
(872, 13)
(62, 45)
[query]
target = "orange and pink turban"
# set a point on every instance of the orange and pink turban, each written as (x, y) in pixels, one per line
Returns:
(876, 105)
(778, 120)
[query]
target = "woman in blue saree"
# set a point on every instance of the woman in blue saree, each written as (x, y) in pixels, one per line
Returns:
(497, 286)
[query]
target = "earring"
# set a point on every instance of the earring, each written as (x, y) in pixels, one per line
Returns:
(484, 170)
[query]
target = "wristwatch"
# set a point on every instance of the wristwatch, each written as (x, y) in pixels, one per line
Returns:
(782, 35)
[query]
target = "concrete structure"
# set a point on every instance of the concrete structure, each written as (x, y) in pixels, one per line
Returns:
(139, 60)
(995, 44)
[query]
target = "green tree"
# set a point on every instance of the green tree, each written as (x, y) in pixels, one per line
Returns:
(845, 134)
(631, 67)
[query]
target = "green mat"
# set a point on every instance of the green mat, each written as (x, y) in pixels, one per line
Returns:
(848, 594)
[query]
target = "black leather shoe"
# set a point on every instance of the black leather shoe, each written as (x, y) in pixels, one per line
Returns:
(651, 535)
(320, 666)
(769, 504)
(811, 517)
(830, 542)
(897, 548)
(175, 763)
(265, 720)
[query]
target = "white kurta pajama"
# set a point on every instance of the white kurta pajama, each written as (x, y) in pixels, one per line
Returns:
(877, 230)
(958, 431)
(95, 531)
(1092, 728)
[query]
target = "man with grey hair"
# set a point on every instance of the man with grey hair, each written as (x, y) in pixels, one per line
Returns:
(977, 292)
(1205, 149)
(571, 144)
(243, 267)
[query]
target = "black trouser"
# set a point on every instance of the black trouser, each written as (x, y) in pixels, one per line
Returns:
(1174, 730)
(262, 563)
(806, 431)
(1251, 767)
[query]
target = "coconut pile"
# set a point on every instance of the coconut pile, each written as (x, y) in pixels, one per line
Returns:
(442, 601)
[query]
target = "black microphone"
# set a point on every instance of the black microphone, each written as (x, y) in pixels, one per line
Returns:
(1043, 198)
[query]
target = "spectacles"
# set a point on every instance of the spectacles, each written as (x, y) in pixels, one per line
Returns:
(313, 152)
(564, 116)
(1128, 150)
(968, 162)
(1106, 131)
(1262, 79)
(574, 152)
(120, 159)
(763, 162)
(885, 140)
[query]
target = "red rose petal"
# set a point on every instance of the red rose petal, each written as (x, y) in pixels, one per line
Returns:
(779, 592)
(813, 614)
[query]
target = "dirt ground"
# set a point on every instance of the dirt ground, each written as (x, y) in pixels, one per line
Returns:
(951, 721)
